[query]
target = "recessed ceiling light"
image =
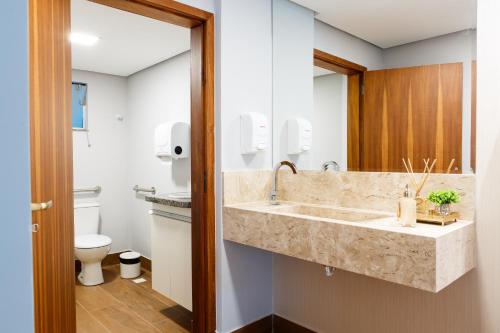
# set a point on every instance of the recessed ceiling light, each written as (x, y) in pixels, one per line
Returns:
(83, 39)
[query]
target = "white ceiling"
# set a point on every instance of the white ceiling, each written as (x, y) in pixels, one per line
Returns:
(388, 23)
(128, 43)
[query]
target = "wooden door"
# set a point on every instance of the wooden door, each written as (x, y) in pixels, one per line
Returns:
(51, 165)
(415, 113)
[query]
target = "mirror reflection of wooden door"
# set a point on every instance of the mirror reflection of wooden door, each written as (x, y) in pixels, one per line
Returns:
(413, 112)
(51, 166)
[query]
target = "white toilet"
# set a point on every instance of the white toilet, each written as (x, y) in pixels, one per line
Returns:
(90, 247)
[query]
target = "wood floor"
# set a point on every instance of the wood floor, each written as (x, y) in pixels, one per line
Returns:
(122, 306)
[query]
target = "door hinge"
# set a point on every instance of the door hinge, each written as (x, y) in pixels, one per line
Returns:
(363, 88)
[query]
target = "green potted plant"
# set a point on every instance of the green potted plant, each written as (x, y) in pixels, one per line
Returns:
(443, 200)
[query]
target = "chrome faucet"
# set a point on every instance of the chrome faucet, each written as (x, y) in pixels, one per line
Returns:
(326, 166)
(274, 191)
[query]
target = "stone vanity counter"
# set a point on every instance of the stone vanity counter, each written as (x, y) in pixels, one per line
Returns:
(167, 201)
(427, 257)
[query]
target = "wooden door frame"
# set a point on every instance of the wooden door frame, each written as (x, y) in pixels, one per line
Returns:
(355, 74)
(201, 24)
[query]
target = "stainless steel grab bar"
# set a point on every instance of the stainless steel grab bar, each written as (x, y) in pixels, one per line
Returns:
(138, 189)
(170, 215)
(95, 189)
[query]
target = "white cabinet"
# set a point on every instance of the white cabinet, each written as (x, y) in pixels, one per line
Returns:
(171, 254)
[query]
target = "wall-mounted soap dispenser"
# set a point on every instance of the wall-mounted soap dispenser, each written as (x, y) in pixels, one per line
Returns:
(254, 132)
(181, 140)
(299, 135)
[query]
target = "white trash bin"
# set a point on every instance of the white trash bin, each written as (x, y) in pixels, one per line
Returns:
(130, 265)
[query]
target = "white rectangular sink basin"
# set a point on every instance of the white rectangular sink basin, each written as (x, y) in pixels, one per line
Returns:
(329, 213)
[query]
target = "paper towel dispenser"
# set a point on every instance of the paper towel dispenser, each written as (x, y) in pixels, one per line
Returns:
(173, 139)
(180, 140)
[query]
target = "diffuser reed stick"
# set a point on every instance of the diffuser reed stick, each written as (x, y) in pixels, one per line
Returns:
(450, 166)
(409, 171)
(425, 178)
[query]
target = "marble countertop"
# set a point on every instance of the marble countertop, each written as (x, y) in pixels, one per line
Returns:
(164, 199)
(427, 257)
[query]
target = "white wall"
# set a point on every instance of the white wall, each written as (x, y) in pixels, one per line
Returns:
(243, 83)
(344, 45)
(451, 48)
(16, 284)
(246, 76)
(105, 162)
(157, 94)
(454, 47)
(207, 5)
(122, 152)
(488, 163)
(293, 36)
(329, 121)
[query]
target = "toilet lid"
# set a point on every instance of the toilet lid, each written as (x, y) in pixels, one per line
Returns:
(91, 241)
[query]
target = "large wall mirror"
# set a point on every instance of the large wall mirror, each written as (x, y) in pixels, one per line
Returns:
(350, 97)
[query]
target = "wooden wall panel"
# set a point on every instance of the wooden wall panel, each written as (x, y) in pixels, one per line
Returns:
(371, 151)
(353, 122)
(51, 165)
(424, 94)
(414, 113)
(452, 91)
(397, 90)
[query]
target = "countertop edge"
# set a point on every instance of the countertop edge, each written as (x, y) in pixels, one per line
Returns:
(168, 202)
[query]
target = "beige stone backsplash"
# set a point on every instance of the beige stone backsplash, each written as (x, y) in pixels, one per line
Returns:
(366, 190)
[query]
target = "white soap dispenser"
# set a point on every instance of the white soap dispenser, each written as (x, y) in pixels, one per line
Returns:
(254, 132)
(299, 135)
(407, 209)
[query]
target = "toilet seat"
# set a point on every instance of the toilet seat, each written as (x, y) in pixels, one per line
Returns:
(91, 241)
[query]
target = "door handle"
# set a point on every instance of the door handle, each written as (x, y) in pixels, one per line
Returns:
(41, 206)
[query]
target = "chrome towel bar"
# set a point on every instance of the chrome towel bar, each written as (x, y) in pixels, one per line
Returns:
(95, 189)
(138, 189)
(170, 215)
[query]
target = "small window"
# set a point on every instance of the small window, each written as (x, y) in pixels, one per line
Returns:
(79, 105)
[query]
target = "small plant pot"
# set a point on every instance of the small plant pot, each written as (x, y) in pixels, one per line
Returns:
(444, 209)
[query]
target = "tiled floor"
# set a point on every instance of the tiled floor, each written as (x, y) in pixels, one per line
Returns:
(122, 306)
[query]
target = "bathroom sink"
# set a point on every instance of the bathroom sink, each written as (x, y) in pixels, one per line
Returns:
(180, 196)
(329, 213)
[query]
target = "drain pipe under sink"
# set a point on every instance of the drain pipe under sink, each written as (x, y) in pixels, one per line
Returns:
(329, 270)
